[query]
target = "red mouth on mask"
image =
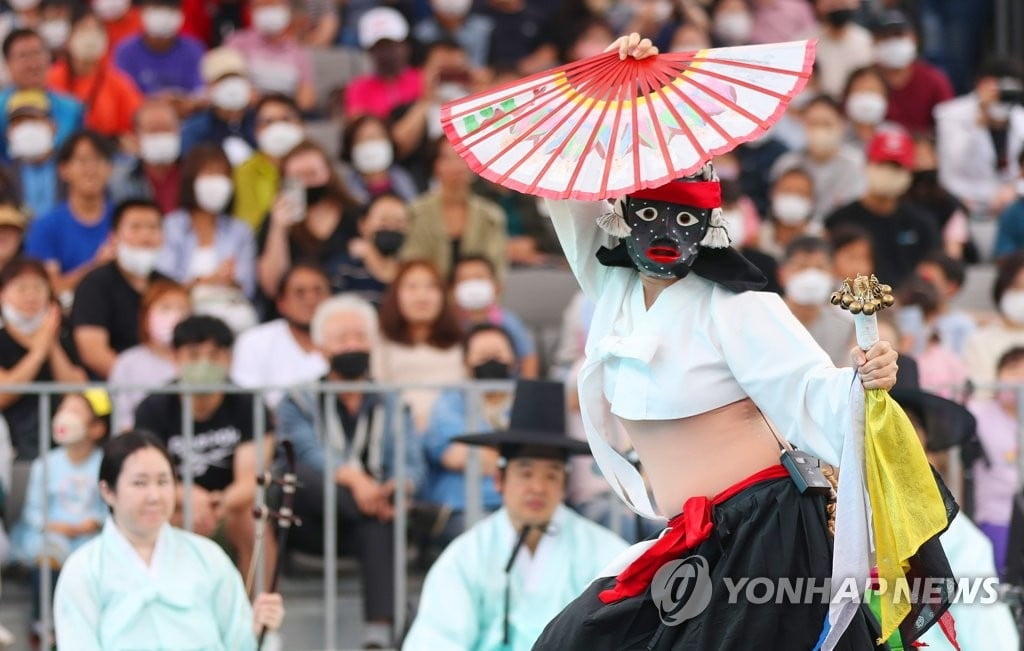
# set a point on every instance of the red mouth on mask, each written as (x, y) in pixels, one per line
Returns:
(663, 254)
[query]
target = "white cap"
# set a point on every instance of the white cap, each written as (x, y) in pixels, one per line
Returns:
(381, 23)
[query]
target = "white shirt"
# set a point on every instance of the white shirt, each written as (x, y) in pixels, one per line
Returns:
(268, 356)
(838, 57)
(699, 347)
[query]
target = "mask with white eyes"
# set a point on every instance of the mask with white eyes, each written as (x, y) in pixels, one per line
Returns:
(664, 237)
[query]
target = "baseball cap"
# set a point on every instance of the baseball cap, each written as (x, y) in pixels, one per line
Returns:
(382, 23)
(891, 21)
(221, 62)
(33, 103)
(892, 146)
(11, 216)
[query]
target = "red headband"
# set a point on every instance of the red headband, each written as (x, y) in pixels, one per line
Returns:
(699, 194)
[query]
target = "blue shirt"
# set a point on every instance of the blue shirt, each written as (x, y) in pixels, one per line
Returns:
(206, 126)
(65, 111)
(1010, 237)
(60, 237)
(176, 69)
(232, 239)
(39, 186)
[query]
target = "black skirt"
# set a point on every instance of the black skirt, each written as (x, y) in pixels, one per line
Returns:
(769, 530)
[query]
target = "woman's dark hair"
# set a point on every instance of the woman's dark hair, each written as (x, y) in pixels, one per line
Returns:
(195, 160)
(336, 189)
(22, 265)
(488, 327)
(444, 332)
(843, 236)
(470, 259)
(432, 151)
(825, 100)
(156, 291)
(100, 143)
(199, 329)
(1011, 356)
(1006, 272)
(866, 71)
(348, 136)
(123, 446)
(286, 277)
(277, 98)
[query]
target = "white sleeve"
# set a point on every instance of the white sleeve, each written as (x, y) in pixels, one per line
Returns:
(784, 371)
(448, 618)
(76, 608)
(576, 226)
(246, 362)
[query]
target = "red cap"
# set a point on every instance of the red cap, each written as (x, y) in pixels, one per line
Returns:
(892, 146)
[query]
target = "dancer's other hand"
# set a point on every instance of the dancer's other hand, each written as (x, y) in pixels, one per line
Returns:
(634, 46)
(268, 610)
(876, 366)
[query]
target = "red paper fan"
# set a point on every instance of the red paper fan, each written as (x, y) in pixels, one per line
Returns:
(601, 127)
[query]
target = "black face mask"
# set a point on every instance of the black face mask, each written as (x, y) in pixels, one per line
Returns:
(492, 369)
(665, 237)
(839, 18)
(388, 242)
(351, 366)
(316, 193)
(926, 177)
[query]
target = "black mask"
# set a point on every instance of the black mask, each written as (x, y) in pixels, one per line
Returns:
(927, 178)
(492, 369)
(388, 242)
(316, 193)
(351, 366)
(665, 237)
(839, 18)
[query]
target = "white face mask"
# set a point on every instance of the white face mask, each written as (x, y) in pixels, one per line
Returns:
(372, 156)
(88, 45)
(866, 108)
(791, 209)
(271, 20)
(885, 181)
(55, 33)
(897, 52)
(735, 227)
(27, 325)
(136, 260)
(474, 294)
(733, 27)
(213, 191)
(159, 148)
(68, 428)
(109, 10)
(1012, 306)
(161, 22)
(23, 5)
(30, 140)
(231, 94)
(823, 141)
(999, 112)
(809, 287)
(279, 138)
(452, 7)
(450, 91)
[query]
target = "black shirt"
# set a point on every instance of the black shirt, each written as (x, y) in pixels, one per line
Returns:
(22, 415)
(105, 299)
(214, 441)
(900, 240)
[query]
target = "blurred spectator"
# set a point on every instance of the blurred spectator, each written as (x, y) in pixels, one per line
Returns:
(777, 21)
(315, 227)
(368, 156)
(156, 173)
(980, 137)
(865, 103)
(56, 24)
(120, 18)
(65, 496)
(105, 314)
(110, 98)
(789, 217)
(531, 238)
(947, 213)
(27, 16)
(988, 343)
(653, 19)
(32, 172)
(836, 167)
(995, 476)
(317, 22)
(756, 159)
(393, 82)
(592, 37)
(450, 221)
(843, 45)
(791, 129)
(946, 275)
(371, 262)
(523, 22)
(455, 19)
(277, 62)
(281, 352)
(942, 370)
(902, 235)
(203, 243)
(223, 454)
(362, 434)
(228, 121)
(278, 131)
(151, 362)
(416, 124)
(477, 299)
(27, 60)
(161, 59)
(1010, 236)
(421, 337)
(852, 251)
(489, 355)
(12, 230)
(915, 87)
(31, 349)
(72, 238)
(807, 281)
(732, 23)
(572, 340)
(688, 37)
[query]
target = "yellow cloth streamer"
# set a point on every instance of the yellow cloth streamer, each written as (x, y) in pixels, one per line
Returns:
(906, 506)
